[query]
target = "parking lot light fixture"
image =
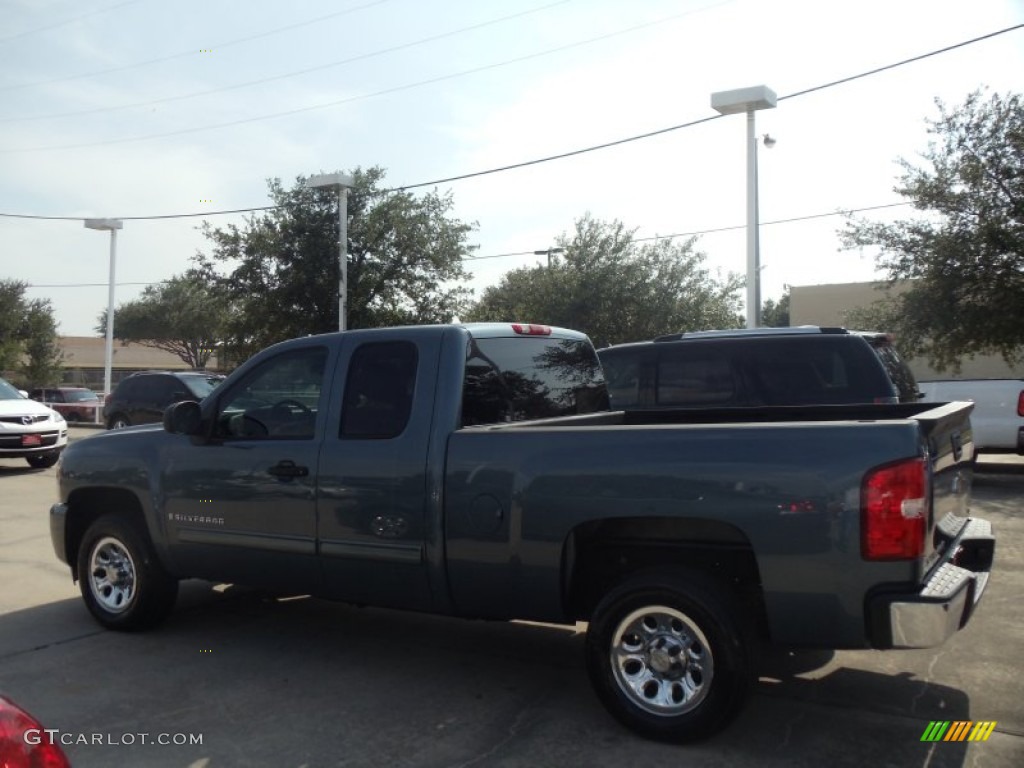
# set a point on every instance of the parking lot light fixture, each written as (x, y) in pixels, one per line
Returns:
(343, 183)
(108, 358)
(749, 100)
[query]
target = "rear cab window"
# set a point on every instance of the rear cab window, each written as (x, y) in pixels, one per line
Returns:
(536, 373)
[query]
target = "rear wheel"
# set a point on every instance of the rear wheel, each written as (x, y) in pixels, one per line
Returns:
(669, 655)
(118, 421)
(122, 583)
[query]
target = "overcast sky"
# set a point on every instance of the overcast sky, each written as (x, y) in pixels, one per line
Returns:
(146, 108)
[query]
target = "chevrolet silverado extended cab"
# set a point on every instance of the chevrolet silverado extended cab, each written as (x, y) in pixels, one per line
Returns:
(476, 471)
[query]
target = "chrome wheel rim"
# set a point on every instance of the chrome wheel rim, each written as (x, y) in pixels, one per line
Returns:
(112, 575)
(662, 661)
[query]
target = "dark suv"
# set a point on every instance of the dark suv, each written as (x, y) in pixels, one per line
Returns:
(142, 398)
(806, 365)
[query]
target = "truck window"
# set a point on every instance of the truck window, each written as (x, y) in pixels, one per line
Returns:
(378, 391)
(518, 379)
(276, 400)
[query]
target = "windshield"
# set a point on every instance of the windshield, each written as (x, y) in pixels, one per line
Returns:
(201, 386)
(79, 395)
(8, 392)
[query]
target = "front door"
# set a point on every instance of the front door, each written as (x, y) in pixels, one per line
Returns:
(241, 506)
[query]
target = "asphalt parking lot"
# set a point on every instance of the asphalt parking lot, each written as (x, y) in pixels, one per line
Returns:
(266, 681)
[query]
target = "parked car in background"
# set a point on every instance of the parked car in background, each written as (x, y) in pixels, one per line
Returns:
(806, 365)
(73, 403)
(143, 397)
(998, 416)
(25, 742)
(29, 430)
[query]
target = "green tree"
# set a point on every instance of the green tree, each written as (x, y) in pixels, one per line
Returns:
(775, 314)
(614, 289)
(186, 315)
(404, 266)
(28, 337)
(964, 260)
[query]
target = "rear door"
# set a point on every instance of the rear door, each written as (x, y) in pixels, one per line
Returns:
(373, 507)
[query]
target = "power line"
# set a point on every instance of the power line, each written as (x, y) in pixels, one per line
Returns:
(294, 73)
(361, 97)
(73, 19)
(533, 253)
(559, 156)
(183, 54)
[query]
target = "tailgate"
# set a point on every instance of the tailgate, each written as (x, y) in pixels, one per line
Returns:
(946, 430)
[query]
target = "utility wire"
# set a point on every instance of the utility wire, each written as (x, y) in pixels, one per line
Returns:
(293, 73)
(562, 155)
(182, 54)
(27, 32)
(534, 253)
(361, 97)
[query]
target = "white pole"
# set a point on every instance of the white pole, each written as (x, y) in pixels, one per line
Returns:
(342, 257)
(753, 241)
(108, 362)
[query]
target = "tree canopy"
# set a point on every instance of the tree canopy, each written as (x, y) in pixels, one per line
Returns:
(186, 315)
(964, 259)
(404, 266)
(615, 289)
(28, 337)
(775, 314)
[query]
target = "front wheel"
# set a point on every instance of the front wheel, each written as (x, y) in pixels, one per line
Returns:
(42, 462)
(122, 583)
(118, 421)
(669, 655)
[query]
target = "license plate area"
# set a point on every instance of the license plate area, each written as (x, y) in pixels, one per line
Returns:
(29, 441)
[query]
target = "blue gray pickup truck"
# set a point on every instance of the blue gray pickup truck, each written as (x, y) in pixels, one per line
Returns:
(476, 471)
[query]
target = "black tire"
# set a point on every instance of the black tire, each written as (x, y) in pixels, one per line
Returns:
(670, 655)
(118, 421)
(123, 584)
(42, 462)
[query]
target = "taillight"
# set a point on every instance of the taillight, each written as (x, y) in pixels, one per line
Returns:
(23, 741)
(531, 330)
(1020, 403)
(894, 511)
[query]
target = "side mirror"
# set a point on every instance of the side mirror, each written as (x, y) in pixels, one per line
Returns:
(23, 393)
(184, 418)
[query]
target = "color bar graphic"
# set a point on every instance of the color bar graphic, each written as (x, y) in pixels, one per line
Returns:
(958, 730)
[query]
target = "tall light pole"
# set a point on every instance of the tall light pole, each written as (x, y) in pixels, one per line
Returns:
(108, 358)
(343, 182)
(548, 253)
(749, 100)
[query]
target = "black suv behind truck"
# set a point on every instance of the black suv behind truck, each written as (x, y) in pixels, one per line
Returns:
(143, 397)
(806, 365)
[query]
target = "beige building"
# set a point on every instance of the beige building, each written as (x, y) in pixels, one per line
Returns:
(830, 304)
(84, 358)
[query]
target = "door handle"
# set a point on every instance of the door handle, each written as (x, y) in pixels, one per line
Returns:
(287, 469)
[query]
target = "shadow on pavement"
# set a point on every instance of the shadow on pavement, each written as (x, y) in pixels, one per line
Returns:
(293, 681)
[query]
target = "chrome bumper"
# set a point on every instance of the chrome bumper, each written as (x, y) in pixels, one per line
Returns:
(932, 615)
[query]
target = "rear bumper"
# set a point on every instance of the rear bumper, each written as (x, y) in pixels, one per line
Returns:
(930, 616)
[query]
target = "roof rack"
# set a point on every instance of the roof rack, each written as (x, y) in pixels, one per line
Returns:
(799, 330)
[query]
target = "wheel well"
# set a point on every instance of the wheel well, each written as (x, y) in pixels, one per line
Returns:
(601, 554)
(86, 505)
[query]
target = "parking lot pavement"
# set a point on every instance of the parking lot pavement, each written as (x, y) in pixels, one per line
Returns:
(267, 681)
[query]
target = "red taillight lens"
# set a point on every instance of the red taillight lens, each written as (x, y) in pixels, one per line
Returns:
(24, 743)
(1020, 403)
(894, 511)
(531, 330)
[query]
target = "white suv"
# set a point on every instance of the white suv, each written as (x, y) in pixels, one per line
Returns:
(29, 430)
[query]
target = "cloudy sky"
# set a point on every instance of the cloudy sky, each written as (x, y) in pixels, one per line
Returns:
(142, 108)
